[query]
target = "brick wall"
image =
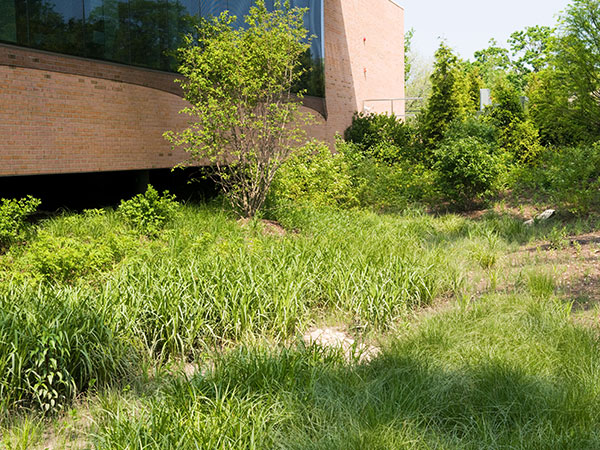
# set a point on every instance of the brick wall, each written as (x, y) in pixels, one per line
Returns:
(364, 48)
(61, 114)
(53, 122)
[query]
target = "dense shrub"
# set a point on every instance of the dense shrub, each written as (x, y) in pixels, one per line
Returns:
(64, 259)
(386, 186)
(12, 219)
(518, 134)
(372, 131)
(315, 176)
(568, 177)
(468, 169)
(521, 139)
(473, 127)
(149, 212)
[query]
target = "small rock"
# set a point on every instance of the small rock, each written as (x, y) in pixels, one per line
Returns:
(543, 216)
(546, 214)
(334, 337)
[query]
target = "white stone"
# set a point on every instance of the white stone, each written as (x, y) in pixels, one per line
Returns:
(546, 214)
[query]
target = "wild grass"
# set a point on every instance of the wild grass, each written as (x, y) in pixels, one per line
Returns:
(209, 286)
(505, 372)
(205, 282)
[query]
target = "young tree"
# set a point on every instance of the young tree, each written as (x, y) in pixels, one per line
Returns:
(578, 58)
(449, 96)
(565, 94)
(493, 62)
(551, 109)
(239, 82)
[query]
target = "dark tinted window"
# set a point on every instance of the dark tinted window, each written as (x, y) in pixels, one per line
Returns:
(55, 26)
(140, 32)
(182, 17)
(8, 21)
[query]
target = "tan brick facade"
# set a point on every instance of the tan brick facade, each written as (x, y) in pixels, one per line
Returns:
(61, 114)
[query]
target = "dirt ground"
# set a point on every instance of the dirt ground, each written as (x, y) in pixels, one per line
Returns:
(573, 265)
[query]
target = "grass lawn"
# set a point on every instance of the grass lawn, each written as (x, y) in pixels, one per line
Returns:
(485, 333)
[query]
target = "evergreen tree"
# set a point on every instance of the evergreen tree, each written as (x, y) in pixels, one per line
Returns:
(474, 83)
(448, 100)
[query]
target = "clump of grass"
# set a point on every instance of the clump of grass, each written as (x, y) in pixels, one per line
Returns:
(485, 251)
(22, 433)
(540, 284)
(54, 344)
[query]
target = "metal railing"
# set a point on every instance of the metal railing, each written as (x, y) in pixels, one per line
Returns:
(391, 102)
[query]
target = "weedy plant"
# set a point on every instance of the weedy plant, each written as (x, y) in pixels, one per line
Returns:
(149, 212)
(12, 219)
(56, 342)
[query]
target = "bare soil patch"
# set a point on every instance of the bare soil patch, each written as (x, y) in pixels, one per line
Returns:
(269, 227)
(335, 337)
(574, 266)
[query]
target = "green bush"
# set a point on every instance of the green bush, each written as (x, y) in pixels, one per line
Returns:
(12, 219)
(468, 169)
(149, 212)
(64, 259)
(386, 186)
(314, 176)
(568, 178)
(370, 131)
(518, 135)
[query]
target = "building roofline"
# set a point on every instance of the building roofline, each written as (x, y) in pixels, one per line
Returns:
(397, 4)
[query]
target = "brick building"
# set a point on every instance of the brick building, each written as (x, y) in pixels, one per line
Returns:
(86, 85)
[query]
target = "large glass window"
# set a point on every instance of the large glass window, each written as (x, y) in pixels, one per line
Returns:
(182, 17)
(107, 30)
(8, 21)
(140, 32)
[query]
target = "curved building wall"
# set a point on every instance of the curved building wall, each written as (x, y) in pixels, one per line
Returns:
(142, 33)
(68, 114)
(56, 122)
